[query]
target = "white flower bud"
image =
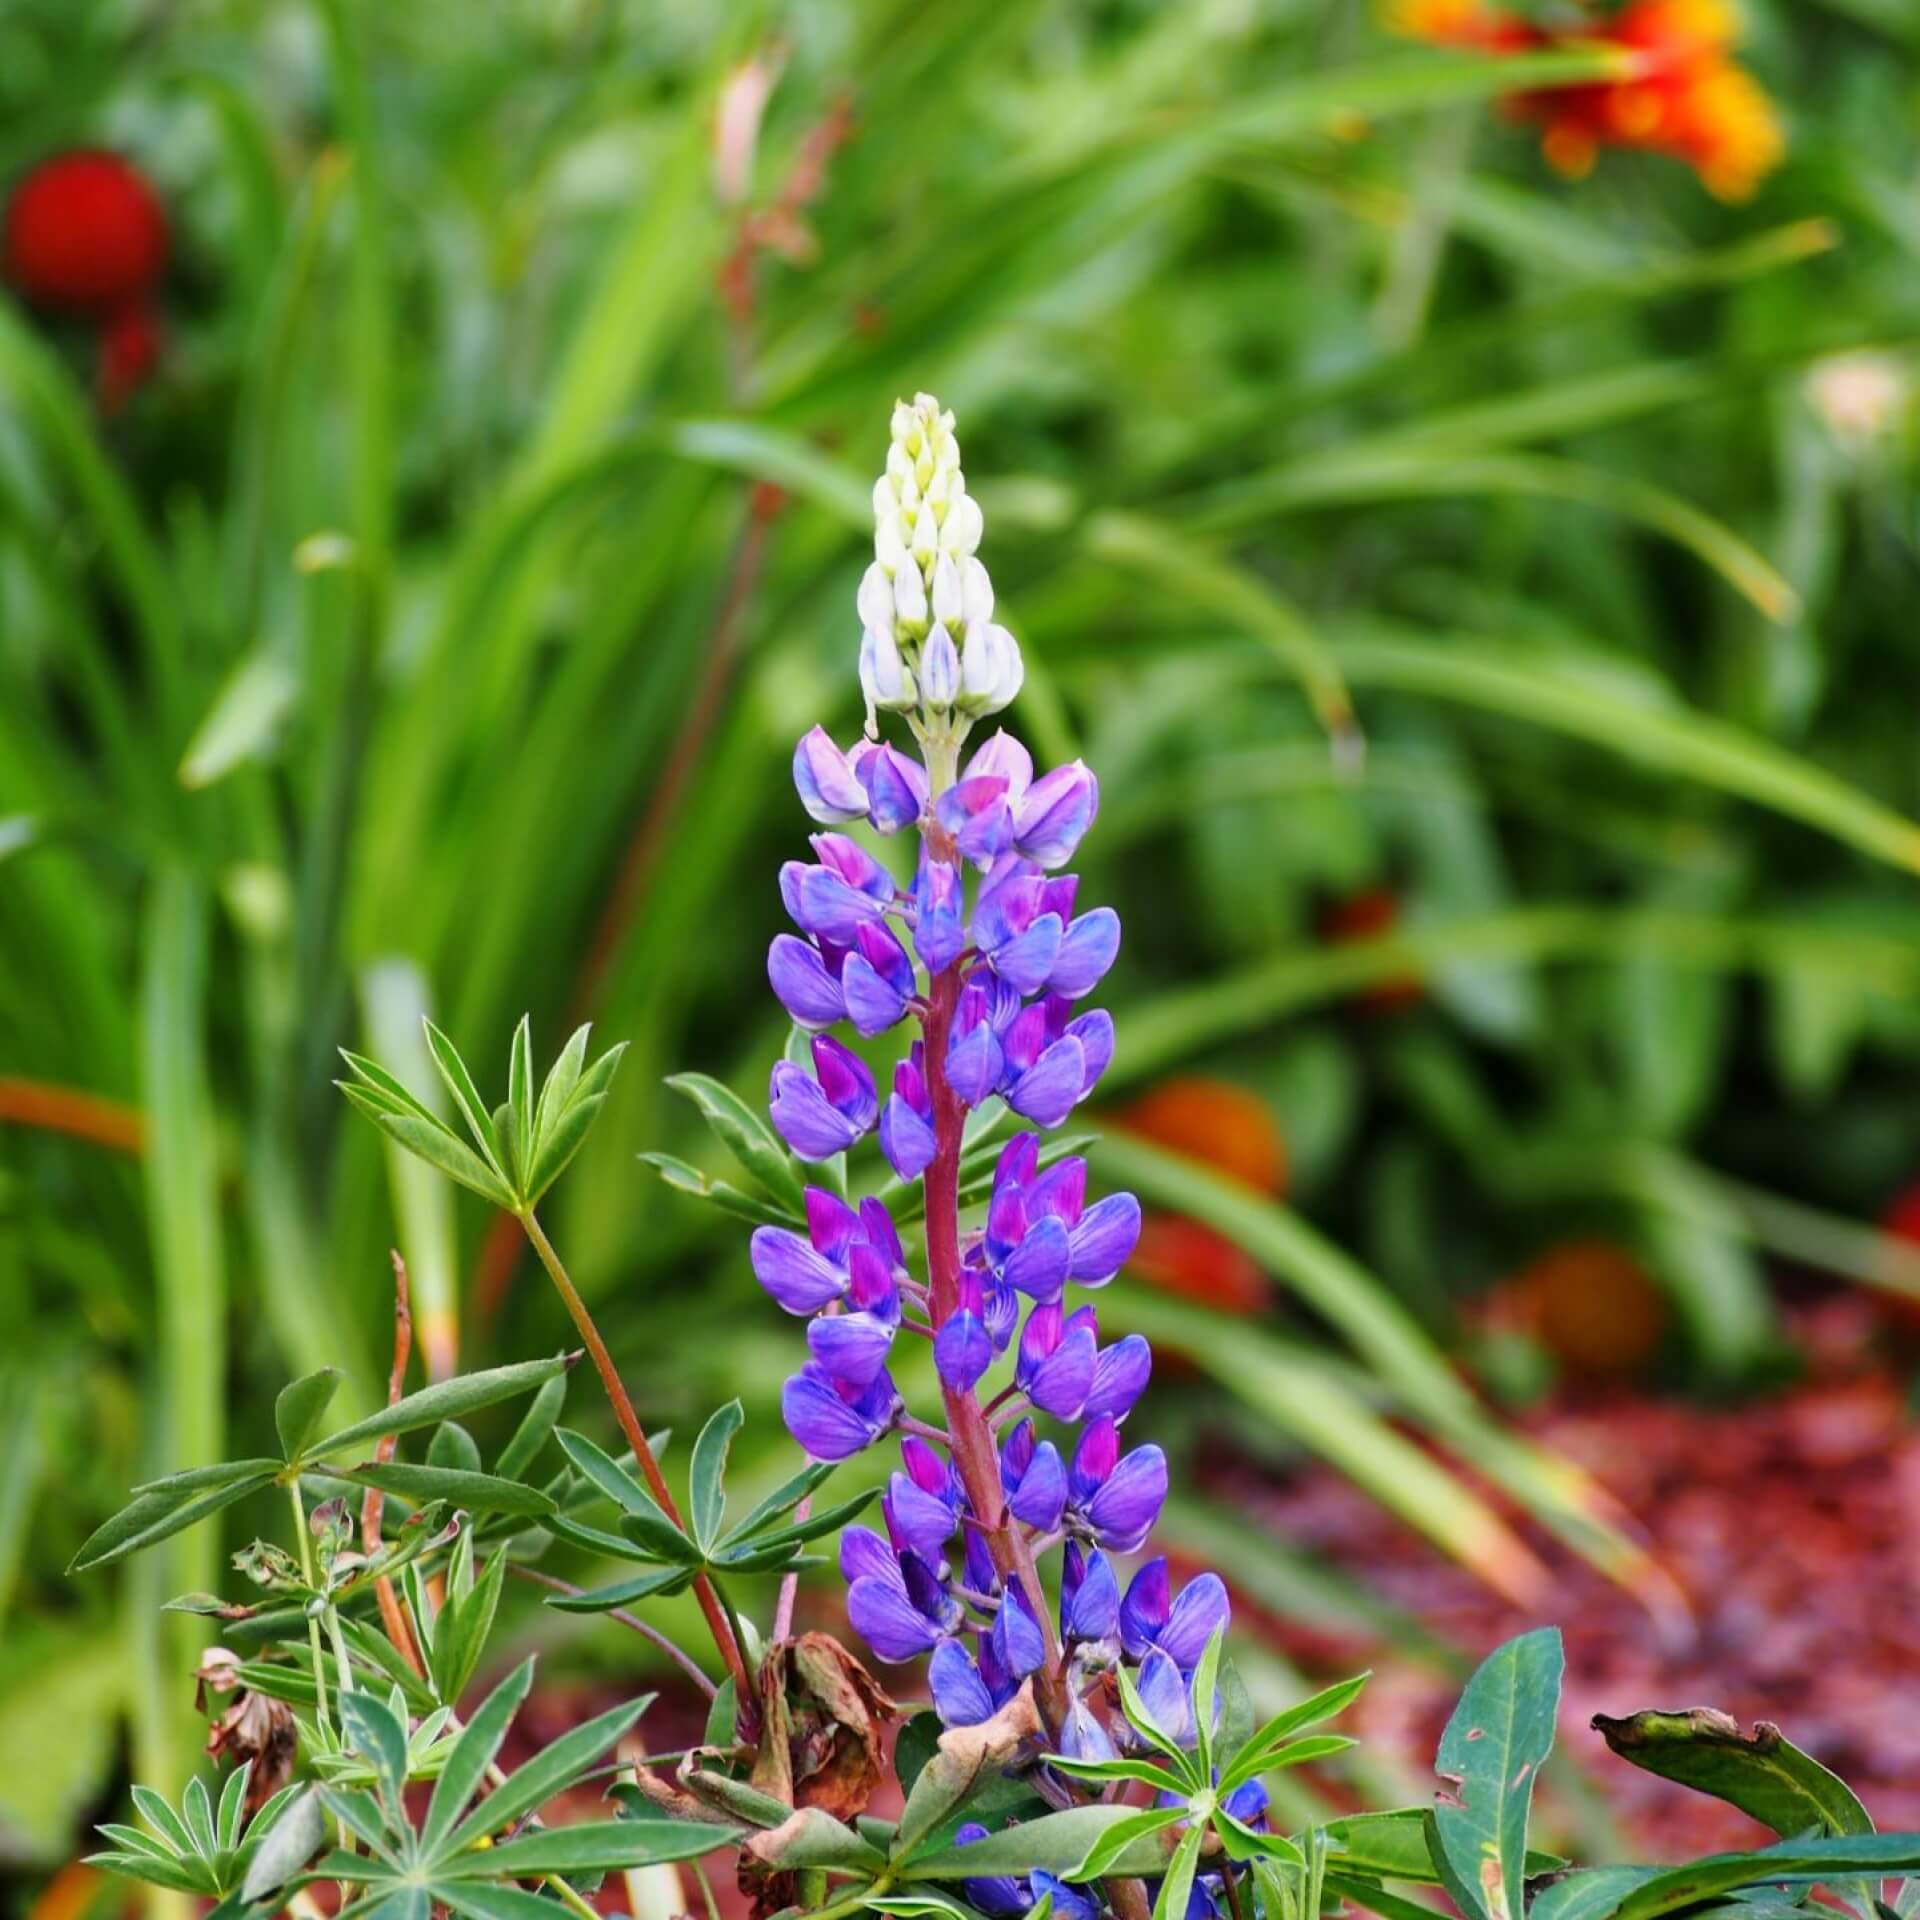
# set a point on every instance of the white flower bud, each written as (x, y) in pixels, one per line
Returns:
(899, 465)
(910, 597)
(874, 601)
(991, 669)
(961, 534)
(883, 500)
(976, 593)
(884, 676)
(890, 547)
(926, 538)
(939, 670)
(946, 592)
(902, 424)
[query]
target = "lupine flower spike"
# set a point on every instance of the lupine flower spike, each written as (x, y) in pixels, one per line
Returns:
(972, 960)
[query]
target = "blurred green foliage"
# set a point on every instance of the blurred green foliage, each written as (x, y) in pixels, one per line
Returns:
(1376, 512)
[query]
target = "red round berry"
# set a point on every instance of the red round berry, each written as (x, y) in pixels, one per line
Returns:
(85, 234)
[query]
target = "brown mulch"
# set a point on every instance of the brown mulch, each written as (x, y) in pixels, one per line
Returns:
(1788, 1523)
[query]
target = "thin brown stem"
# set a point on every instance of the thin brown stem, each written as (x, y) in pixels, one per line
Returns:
(789, 1583)
(392, 1615)
(636, 1438)
(71, 1110)
(672, 1649)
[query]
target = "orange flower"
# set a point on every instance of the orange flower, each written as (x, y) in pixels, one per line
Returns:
(1685, 96)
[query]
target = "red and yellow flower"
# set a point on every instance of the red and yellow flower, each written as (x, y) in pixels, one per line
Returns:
(1682, 92)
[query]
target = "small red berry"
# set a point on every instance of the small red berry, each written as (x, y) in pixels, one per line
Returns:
(85, 234)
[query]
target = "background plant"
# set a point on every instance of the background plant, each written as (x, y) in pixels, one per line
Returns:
(339, 685)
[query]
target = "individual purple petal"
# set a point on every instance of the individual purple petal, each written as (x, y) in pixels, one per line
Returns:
(896, 789)
(1122, 1513)
(832, 1225)
(1000, 1894)
(1086, 952)
(962, 1351)
(1104, 1240)
(865, 1556)
(1017, 1641)
(1025, 962)
(1058, 808)
(1018, 1162)
(925, 1467)
(803, 983)
(1000, 1310)
(1248, 1804)
(1047, 1092)
(1026, 1037)
(852, 1347)
(1008, 903)
(1059, 1385)
(870, 1285)
(1016, 1452)
(846, 1082)
(974, 1064)
(1082, 1737)
(888, 1621)
(800, 1279)
(856, 866)
(826, 1424)
(1120, 1377)
(1041, 1496)
(828, 786)
(825, 906)
(1060, 1191)
(805, 1119)
(1166, 1696)
(928, 1593)
(1092, 1610)
(1094, 1459)
(906, 1137)
(938, 935)
(916, 1518)
(1144, 1611)
(982, 1575)
(960, 1696)
(1004, 757)
(876, 1223)
(1201, 1611)
(1038, 1266)
(873, 1003)
(1094, 1034)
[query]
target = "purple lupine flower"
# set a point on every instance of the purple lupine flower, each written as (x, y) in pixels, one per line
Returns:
(876, 979)
(1057, 1358)
(1167, 1697)
(1150, 1618)
(976, 1062)
(1089, 1595)
(895, 1599)
(962, 1350)
(1069, 1902)
(1034, 1477)
(843, 891)
(906, 1122)
(960, 1695)
(824, 1113)
(976, 813)
(829, 788)
(807, 981)
(1017, 1642)
(1120, 1377)
(917, 1519)
(1055, 812)
(938, 931)
(896, 788)
(999, 1895)
(1115, 1497)
(833, 1422)
(1082, 1737)
(845, 1254)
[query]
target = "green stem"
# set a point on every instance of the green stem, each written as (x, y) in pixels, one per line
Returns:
(852, 1902)
(724, 1638)
(305, 1544)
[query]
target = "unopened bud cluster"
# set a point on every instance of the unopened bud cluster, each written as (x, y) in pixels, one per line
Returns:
(928, 645)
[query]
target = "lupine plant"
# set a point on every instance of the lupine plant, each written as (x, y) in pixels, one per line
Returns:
(1090, 1748)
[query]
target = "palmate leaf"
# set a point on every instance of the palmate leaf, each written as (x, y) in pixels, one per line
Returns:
(380, 1739)
(1171, 1903)
(642, 1517)
(152, 1517)
(1252, 1758)
(684, 1177)
(747, 1135)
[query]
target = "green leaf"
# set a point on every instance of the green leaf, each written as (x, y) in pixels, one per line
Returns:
(1394, 1845)
(683, 1177)
(1203, 1695)
(480, 1492)
(1762, 1773)
(747, 1135)
(233, 1807)
(381, 1740)
(1590, 1894)
(623, 1593)
(453, 1446)
(1825, 1860)
(428, 1140)
(547, 1773)
(298, 1409)
(197, 1807)
(1142, 1770)
(153, 1517)
(466, 1096)
(600, 1846)
(387, 1091)
(1494, 1745)
(812, 1837)
(293, 1839)
(460, 1633)
(447, 1400)
(162, 1819)
(197, 1479)
(560, 1143)
(520, 1100)
(708, 1474)
(534, 1431)
(1068, 1844)
(783, 1499)
(180, 1876)
(562, 1078)
(827, 1520)
(643, 1517)
(1174, 1889)
(480, 1900)
(1251, 1759)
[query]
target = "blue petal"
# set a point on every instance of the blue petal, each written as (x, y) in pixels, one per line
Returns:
(962, 1351)
(1039, 1265)
(1122, 1513)
(827, 784)
(823, 1422)
(800, 1279)
(1201, 1611)
(918, 1519)
(1104, 1240)
(974, 1064)
(1094, 1612)
(1018, 1643)
(1143, 1613)
(960, 1696)
(872, 1004)
(804, 1119)
(1025, 962)
(887, 1621)
(1047, 1091)
(852, 1347)
(1120, 1377)
(803, 984)
(1041, 1496)
(1085, 954)
(906, 1139)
